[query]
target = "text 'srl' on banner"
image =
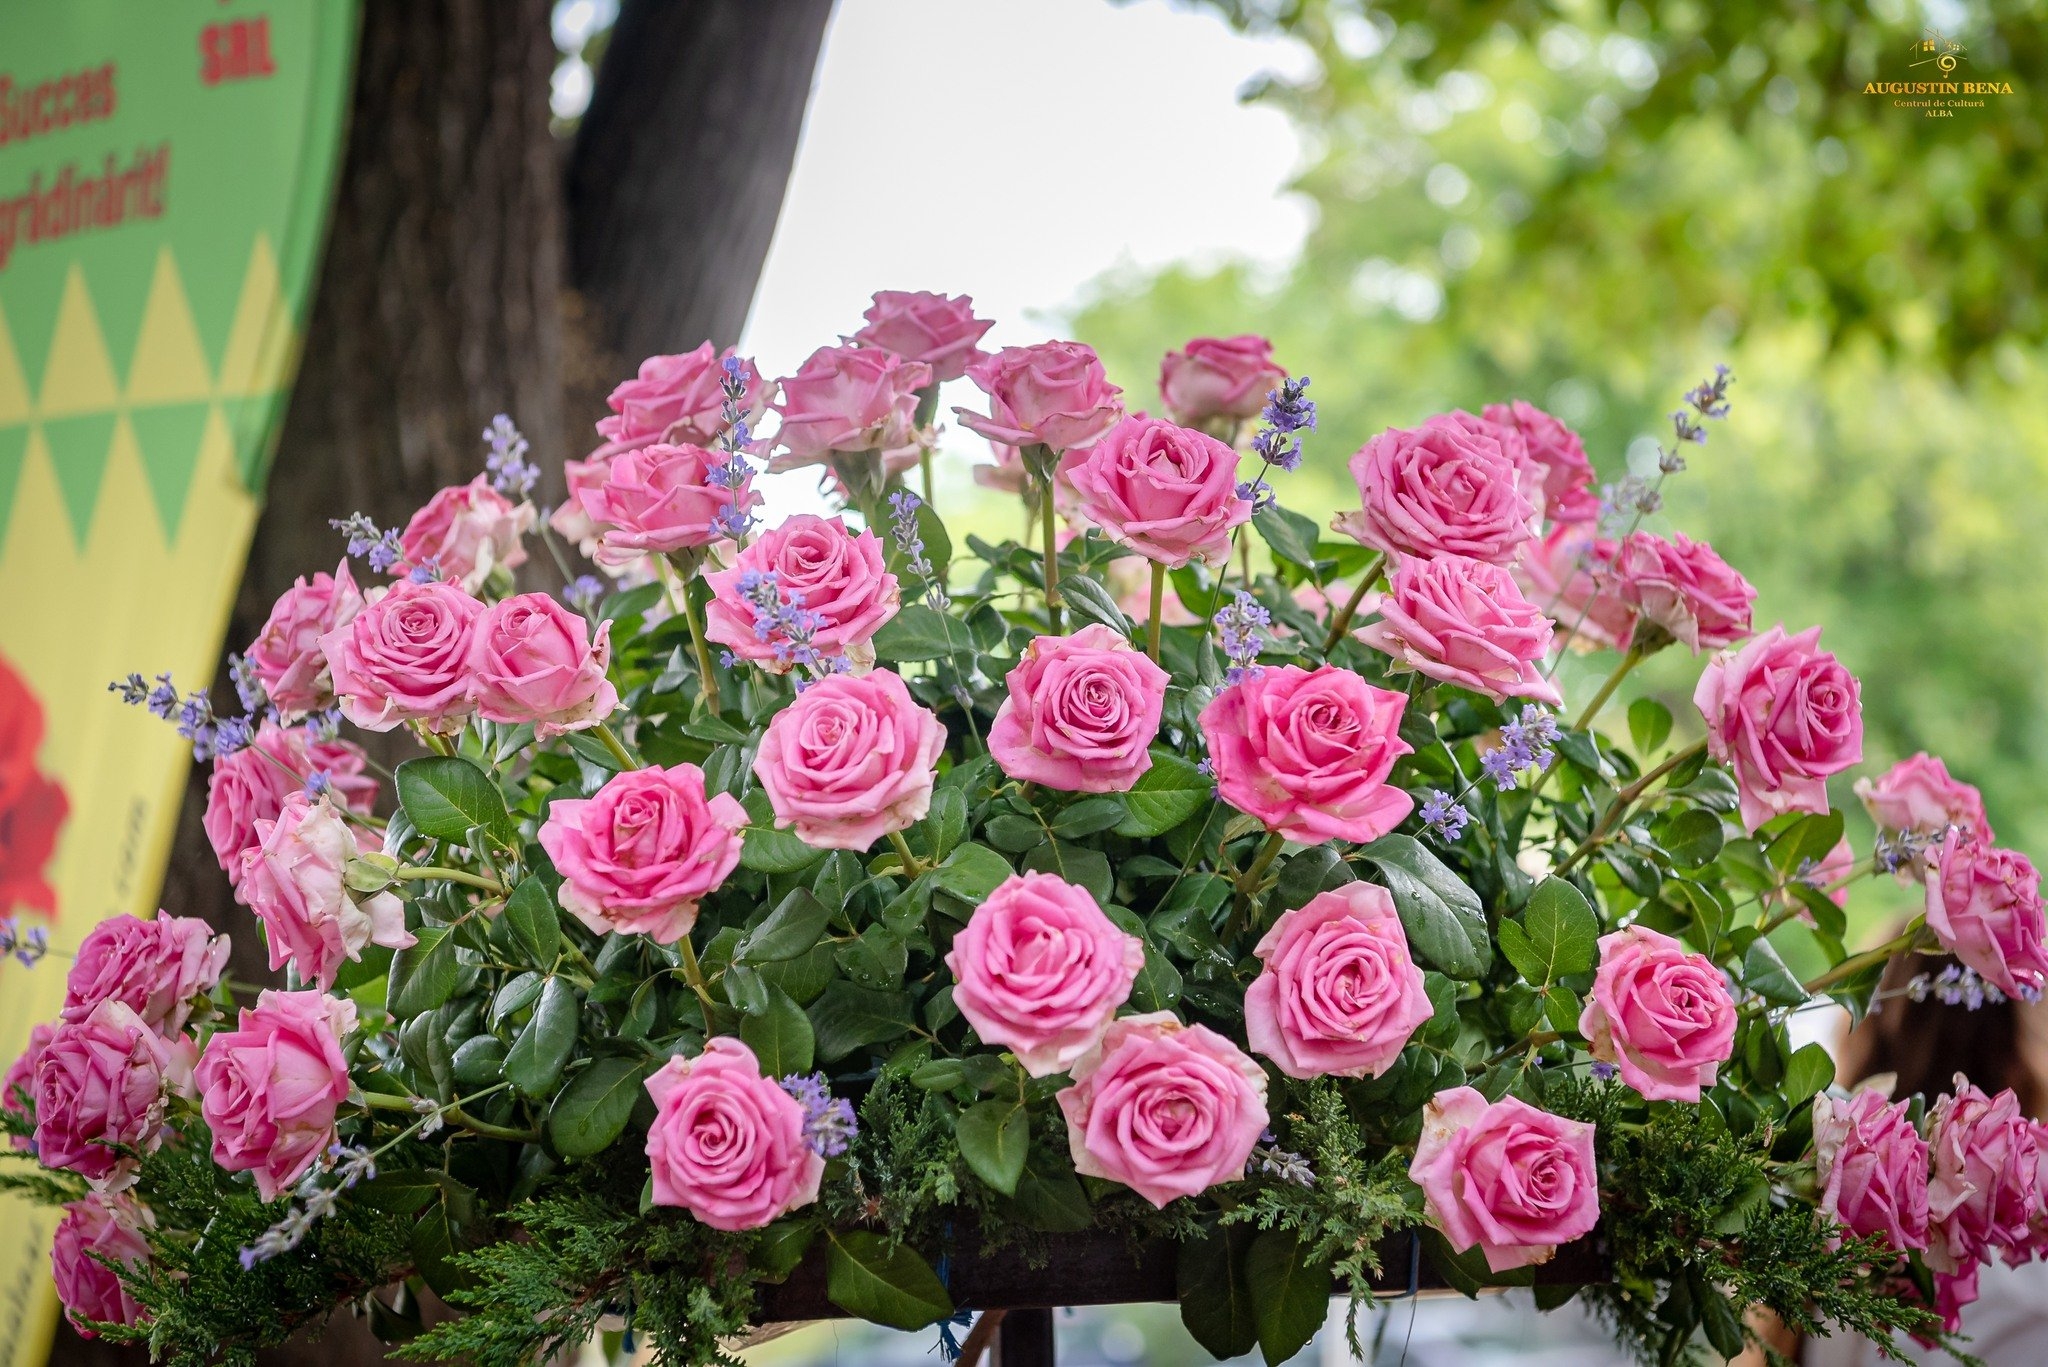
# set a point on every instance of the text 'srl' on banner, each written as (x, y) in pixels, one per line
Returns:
(165, 171)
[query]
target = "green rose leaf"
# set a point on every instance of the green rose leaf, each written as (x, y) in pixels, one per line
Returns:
(766, 850)
(1049, 1196)
(530, 914)
(1443, 918)
(786, 932)
(1090, 602)
(1215, 1295)
(1811, 838)
(1557, 937)
(447, 797)
(423, 975)
(1810, 1072)
(1165, 795)
(1692, 837)
(1649, 724)
(1291, 535)
(889, 1284)
(917, 632)
(972, 872)
(540, 1052)
(994, 1137)
(1290, 1297)
(593, 1109)
(848, 1016)
(780, 1035)
(1765, 974)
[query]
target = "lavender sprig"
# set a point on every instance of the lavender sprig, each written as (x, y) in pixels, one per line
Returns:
(1525, 745)
(1286, 414)
(829, 1125)
(734, 472)
(316, 1201)
(903, 506)
(211, 734)
(379, 549)
(583, 593)
(1957, 985)
(1444, 816)
(511, 472)
(27, 946)
(1238, 632)
(1270, 1159)
(782, 623)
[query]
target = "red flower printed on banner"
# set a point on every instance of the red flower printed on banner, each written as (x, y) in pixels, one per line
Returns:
(32, 805)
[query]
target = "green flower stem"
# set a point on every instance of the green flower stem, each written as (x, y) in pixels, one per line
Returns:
(1050, 529)
(911, 863)
(1530, 1045)
(455, 1115)
(703, 651)
(616, 746)
(1248, 881)
(384, 1101)
(1623, 800)
(1634, 656)
(1158, 610)
(1856, 963)
(415, 873)
(1342, 622)
(693, 974)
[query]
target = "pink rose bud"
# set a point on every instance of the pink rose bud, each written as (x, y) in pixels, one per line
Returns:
(1448, 487)
(405, 658)
(642, 854)
(1661, 1013)
(936, 329)
(294, 881)
(465, 532)
(1167, 1109)
(1918, 795)
(1463, 621)
(849, 398)
(1872, 1168)
(727, 1144)
(1169, 493)
(270, 1088)
(157, 968)
(1560, 457)
(18, 1086)
(1681, 586)
(1984, 905)
(1308, 753)
(1339, 994)
(251, 785)
(662, 498)
(850, 761)
(99, 1227)
(101, 1082)
(1985, 1191)
(840, 577)
(1218, 377)
(533, 660)
(286, 654)
(1040, 971)
(1081, 711)
(1570, 575)
(678, 399)
(1053, 394)
(1506, 1177)
(1784, 715)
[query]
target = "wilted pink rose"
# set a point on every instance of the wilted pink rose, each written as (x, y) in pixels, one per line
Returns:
(727, 1144)
(850, 760)
(1169, 493)
(270, 1088)
(1683, 587)
(533, 660)
(1953, 1291)
(1984, 905)
(645, 851)
(286, 654)
(1218, 377)
(1784, 715)
(1570, 575)
(841, 578)
(1081, 712)
(102, 1081)
(678, 399)
(1053, 394)
(936, 329)
(155, 967)
(1985, 1190)
(1918, 795)
(405, 657)
(1167, 1109)
(848, 398)
(1448, 487)
(1504, 1176)
(100, 1226)
(466, 531)
(1463, 621)
(293, 881)
(1308, 753)
(662, 498)
(1872, 1167)
(1556, 451)
(1661, 1013)
(250, 785)
(18, 1085)
(1339, 994)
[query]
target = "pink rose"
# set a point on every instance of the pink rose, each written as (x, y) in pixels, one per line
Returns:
(1834, 866)
(1985, 1189)
(1683, 587)
(1872, 1168)
(250, 785)
(569, 520)
(1784, 715)
(1463, 621)
(269, 1089)
(1169, 493)
(286, 654)
(293, 880)
(678, 399)
(1081, 711)
(1984, 905)
(849, 398)
(1166, 1109)
(533, 660)
(1556, 451)
(98, 1227)
(1041, 971)
(1053, 394)
(405, 657)
(1339, 994)
(465, 531)
(1662, 1014)
(1570, 575)
(642, 854)
(1218, 377)
(18, 1086)
(1918, 795)
(936, 329)
(1505, 1176)
(1308, 753)
(102, 1081)
(1448, 487)
(155, 967)
(727, 1144)
(1008, 474)
(841, 577)
(662, 498)
(850, 761)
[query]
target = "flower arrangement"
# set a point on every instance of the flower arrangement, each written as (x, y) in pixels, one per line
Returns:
(831, 890)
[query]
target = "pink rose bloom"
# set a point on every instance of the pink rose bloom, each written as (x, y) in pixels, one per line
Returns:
(533, 660)
(1556, 451)
(645, 851)
(1308, 753)
(1339, 994)
(1683, 587)
(1505, 1176)
(251, 785)
(848, 398)
(156, 968)
(1218, 377)
(569, 520)
(101, 1081)
(936, 329)
(678, 399)
(660, 498)
(18, 1086)
(1872, 1168)
(269, 1089)
(286, 654)
(1448, 487)
(405, 657)
(727, 1144)
(850, 761)
(465, 531)
(1167, 1109)
(97, 1227)
(842, 578)
(1053, 394)
(1463, 621)
(1953, 1291)
(1041, 971)
(1570, 575)
(293, 881)
(1918, 795)
(1783, 714)
(1081, 711)
(1984, 905)
(1169, 493)
(1985, 1190)
(1659, 1012)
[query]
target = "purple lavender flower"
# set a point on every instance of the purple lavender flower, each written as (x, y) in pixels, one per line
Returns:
(316, 1202)
(735, 470)
(323, 725)
(1604, 1072)
(1525, 744)
(511, 473)
(1444, 816)
(27, 946)
(782, 622)
(1287, 413)
(829, 1125)
(1269, 1158)
(903, 506)
(1238, 630)
(248, 687)
(428, 571)
(584, 593)
(365, 542)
